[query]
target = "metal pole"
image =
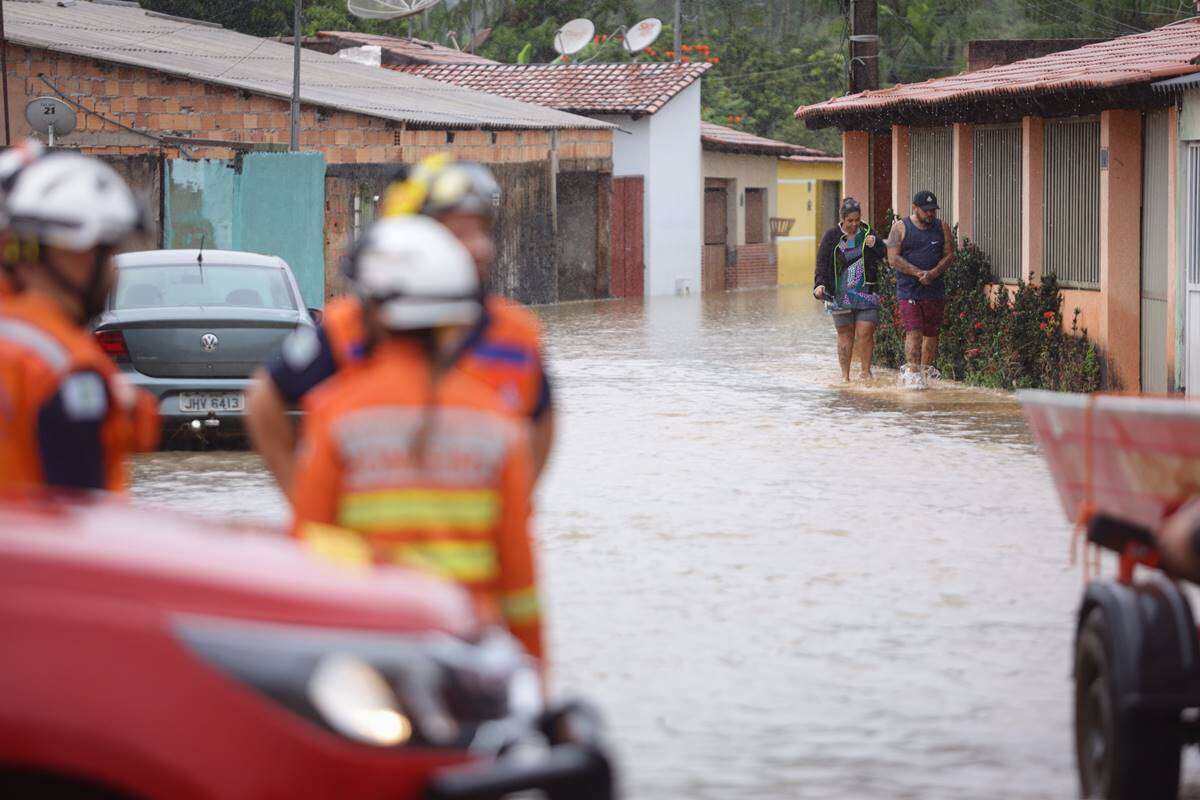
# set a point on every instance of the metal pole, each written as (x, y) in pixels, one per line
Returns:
(678, 32)
(4, 70)
(296, 34)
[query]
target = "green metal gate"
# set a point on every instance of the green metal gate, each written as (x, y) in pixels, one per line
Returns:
(268, 203)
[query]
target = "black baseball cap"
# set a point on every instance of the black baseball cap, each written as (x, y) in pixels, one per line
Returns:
(925, 200)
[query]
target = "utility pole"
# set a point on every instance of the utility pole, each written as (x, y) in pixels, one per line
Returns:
(864, 45)
(296, 34)
(4, 70)
(679, 31)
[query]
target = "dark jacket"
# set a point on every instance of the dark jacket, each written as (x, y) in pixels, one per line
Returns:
(830, 257)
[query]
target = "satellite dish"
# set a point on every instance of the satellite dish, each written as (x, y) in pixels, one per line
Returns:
(574, 36)
(50, 116)
(388, 9)
(643, 34)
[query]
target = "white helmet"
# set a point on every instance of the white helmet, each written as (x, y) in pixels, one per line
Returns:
(418, 272)
(69, 201)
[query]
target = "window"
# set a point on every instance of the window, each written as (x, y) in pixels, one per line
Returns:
(996, 206)
(177, 285)
(1071, 225)
(756, 216)
(931, 165)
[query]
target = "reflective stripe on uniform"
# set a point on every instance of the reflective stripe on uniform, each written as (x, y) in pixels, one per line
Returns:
(464, 562)
(467, 511)
(521, 607)
(47, 347)
(336, 545)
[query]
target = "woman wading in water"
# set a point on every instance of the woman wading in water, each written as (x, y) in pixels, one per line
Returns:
(847, 270)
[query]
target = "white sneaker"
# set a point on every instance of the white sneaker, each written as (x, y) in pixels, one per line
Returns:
(912, 378)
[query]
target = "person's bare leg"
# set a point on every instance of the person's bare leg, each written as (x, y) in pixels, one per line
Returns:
(929, 346)
(845, 348)
(912, 349)
(864, 334)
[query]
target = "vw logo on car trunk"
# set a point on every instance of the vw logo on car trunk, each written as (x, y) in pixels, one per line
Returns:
(209, 342)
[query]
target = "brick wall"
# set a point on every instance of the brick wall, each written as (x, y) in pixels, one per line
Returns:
(162, 104)
(753, 266)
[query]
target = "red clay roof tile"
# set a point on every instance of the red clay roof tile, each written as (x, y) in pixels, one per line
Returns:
(1139, 58)
(581, 88)
(720, 138)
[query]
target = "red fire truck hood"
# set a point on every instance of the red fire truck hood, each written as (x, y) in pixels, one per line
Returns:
(108, 548)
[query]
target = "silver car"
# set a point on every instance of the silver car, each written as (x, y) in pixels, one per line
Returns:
(191, 326)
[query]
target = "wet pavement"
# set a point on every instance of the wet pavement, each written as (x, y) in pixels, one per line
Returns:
(777, 587)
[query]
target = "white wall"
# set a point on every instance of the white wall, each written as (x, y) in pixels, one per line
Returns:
(675, 191)
(744, 171)
(631, 145)
(665, 149)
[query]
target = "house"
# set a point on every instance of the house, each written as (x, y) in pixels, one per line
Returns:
(810, 192)
(198, 118)
(657, 173)
(394, 50)
(741, 207)
(1184, 92)
(1067, 163)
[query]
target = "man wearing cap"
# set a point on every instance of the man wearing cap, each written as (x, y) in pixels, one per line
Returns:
(920, 248)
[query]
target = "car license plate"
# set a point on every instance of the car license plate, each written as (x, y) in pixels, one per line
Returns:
(203, 402)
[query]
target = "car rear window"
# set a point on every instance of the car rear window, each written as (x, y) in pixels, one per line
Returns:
(174, 285)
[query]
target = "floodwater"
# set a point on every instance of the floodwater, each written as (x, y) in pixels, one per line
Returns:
(776, 587)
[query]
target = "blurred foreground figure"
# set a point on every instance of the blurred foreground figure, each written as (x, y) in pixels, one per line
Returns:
(409, 458)
(503, 348)
(67, 417)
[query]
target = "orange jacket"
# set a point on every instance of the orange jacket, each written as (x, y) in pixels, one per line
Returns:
(441, 488)
(504, 351)
(67, 416)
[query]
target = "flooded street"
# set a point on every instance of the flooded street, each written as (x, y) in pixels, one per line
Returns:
(773, 586)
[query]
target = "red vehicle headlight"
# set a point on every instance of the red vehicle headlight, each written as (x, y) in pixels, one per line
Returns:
(387, 690)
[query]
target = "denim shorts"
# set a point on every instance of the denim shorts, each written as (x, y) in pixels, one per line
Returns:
(850, 316)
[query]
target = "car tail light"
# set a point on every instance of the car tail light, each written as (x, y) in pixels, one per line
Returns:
(113, 345)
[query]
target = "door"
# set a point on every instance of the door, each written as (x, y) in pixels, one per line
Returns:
(881, 181)
(1155, 211)
(1191, 232)
(628, 269)
(716, 237)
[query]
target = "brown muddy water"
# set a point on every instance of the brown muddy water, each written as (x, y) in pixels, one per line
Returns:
(776, 587)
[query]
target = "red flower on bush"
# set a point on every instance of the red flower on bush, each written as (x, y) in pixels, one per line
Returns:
(713, 60)
(974, 351)
(669, 54)
(651, 52)
(685, 60)
(978, 326)
(962, 315)
(1049, 315)
(687, 48)
(1041, 326)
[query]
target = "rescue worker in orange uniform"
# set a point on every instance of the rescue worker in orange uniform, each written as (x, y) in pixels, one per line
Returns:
(503, 349)
(419, 457)
(67, 417)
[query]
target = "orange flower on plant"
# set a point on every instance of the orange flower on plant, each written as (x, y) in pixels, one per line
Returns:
(650, 52)
(685, 60)
(669, 54)
(687, 48)
(1042, 326)
(1048, 315)
(978, 326)
(714, 60)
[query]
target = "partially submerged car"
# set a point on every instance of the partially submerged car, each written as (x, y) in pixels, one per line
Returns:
(150, 655)
(191, 326)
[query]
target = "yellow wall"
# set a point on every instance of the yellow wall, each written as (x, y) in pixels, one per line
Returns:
(800, 199)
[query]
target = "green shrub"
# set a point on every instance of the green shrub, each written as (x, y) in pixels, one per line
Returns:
(994, 338)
